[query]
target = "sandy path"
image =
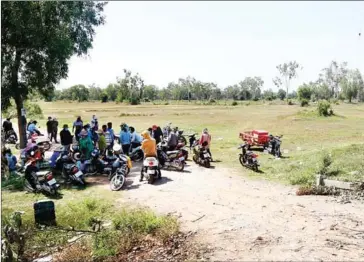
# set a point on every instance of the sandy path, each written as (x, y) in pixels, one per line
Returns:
(236, 211)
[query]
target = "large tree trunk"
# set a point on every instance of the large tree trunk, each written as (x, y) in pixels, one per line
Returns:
(18, 99)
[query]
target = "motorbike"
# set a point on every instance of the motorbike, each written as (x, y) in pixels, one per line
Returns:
(274, 146)
(167, 159)
(119, 161)
(248, 158)
(44, 182)
(39, 140)
(136, 154)
(179, 133)
(72, 172)
(117, 181)
(94, 165)
(201, 155)
(11, 137)
(150, 169)
(75, 152)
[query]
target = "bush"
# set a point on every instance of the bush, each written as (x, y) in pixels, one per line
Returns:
(304, 102)
(134, 101)
(304, 92)
(324, 108)
(234, 103)
(325, 164)
(290, 103)
(104, 98)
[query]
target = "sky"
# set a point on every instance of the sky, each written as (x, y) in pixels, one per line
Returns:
(221, 42)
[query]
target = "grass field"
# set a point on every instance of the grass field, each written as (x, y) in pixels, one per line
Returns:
(306, 137)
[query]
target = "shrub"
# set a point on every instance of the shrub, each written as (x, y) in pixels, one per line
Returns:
(212, 101)
(104, 98)
(325, 164)
(234, 103)
(304, 102)
(324, 108)
(304, 92)
(134, 101)
(290, 102)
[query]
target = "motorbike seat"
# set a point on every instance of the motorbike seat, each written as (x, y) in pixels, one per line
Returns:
(42, 173)
(172, 152)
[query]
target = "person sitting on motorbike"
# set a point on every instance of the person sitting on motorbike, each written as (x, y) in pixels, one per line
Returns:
(32, 128)
(206, 137)
(172, 140)
(136, 139)
(149, 148)
(85, 144)
(102, 142)
(7, 125)
(29, 174)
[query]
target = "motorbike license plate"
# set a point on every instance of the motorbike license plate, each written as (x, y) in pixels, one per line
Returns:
(78, 174)
(151, 171)
(181, 158)
(52, 182)
(206, 155)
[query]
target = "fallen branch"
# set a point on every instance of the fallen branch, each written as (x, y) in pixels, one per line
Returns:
(198, 218)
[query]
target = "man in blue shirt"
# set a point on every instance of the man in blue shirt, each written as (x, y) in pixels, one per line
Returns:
(112, 135)
(136, 139)
(11, 161)
(125, 139)
(32, 128)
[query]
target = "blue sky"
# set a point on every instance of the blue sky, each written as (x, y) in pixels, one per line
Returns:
(221, 42)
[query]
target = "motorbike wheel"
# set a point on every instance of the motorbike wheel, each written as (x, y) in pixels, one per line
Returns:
(151, 179)
(17, 146)
(76, 155)
(46, 145)
(241, 160)
(180, 166)
(182, 139)
(117, 182)
(194, 158)
(207, 163)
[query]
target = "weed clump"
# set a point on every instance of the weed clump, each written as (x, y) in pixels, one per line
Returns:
(234, 103)
(304, 102)
(324, 108)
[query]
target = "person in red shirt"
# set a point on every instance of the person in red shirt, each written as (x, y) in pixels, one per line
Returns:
(206, 137)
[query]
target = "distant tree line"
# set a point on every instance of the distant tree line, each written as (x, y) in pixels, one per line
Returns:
(335, 81)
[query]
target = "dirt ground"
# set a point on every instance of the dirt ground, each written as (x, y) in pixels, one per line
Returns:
(243, 219)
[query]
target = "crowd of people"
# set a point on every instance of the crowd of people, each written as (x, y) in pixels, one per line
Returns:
(88, 137)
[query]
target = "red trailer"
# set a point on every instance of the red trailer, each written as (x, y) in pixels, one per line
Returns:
(255, 138)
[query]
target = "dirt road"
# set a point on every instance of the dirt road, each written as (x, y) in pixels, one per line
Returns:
(242, 219)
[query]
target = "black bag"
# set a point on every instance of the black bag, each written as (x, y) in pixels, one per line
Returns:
(44, 213)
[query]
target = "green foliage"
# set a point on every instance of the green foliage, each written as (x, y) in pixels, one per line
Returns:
(324, 108)
(333, 75)
(352, 84)
(269, 95)
(326, 162)
(281, 94)
(33, 110)
(234, 103)
(287, 71)
(304, 102)
(134, 100)
(290, 102)
(104, 98)
(304, 92)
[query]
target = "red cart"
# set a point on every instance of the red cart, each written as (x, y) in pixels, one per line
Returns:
(259, 138)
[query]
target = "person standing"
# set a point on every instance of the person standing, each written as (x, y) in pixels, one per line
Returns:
(7, 125)
(125, 139)
(157, 133)
(112, 135)
(94, 123)
(77, 127)
(206, 137)
(172, 140)
(54, 130)
(102, 142)
(49, 127)
(66, 138)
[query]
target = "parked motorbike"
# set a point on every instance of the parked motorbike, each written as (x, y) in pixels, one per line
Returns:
(192, 139)
(136, 154)
(11, 137)
(170, 159)
(94, 165)
(117, 181)
(72, 172)
(39, 181)
(150, 169)
(75, 152)
(201, 155)
(179, 133)
(39, 140)
(248, 158)
(274, 146)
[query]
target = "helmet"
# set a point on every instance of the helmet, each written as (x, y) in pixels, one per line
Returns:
(95, 153)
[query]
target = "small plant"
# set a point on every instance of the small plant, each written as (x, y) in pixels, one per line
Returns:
(304, 102)
(325, 164)
(290, 102)
(134, 101)
(324, 108)
(234, 103)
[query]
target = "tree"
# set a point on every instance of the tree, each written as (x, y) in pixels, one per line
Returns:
(281, 94)
(150, 92)
(112, 92)
(287, 71)
(333, 76)
(253, 85)
(130, 87)
(269, 95)
(95, 93)
(232, 92)
(37, 40)
(351, 84)
(304, 92)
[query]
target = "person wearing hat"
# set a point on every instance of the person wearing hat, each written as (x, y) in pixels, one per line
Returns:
(66, 138)
(86, 145)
